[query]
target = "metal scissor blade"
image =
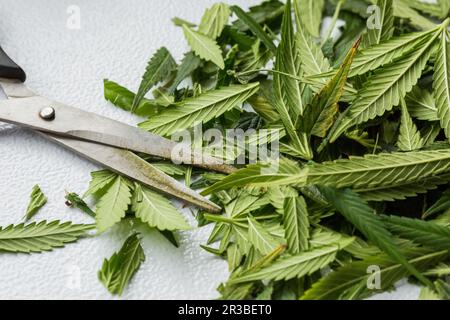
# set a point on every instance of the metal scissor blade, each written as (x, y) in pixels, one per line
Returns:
(128, 164)
(76, 123)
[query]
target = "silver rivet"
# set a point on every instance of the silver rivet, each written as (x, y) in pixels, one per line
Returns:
(47, 113)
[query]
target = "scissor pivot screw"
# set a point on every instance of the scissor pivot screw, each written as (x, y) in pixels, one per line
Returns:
(47, 113)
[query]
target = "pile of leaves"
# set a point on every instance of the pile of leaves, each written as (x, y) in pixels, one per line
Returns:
(360, 198)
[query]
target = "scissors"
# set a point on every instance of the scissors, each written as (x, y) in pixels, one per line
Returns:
(102, 140)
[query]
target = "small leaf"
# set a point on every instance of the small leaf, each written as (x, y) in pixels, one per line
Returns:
(189, 64)
(260, 238)
(157, 211)
(99, 183)
(204, 47)
(214, 20)
(409, 138)
(73, 200)
(37, 201)
(296, 224)
(117, 272)
(311, 14)
(42, 236)
(123, 98)
(421, 104)
(113, 204)
(159, 68)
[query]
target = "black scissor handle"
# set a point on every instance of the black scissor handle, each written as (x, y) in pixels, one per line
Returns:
(9, 69)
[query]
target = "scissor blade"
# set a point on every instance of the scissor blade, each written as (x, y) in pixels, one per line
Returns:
(76, 123)
(128, 164)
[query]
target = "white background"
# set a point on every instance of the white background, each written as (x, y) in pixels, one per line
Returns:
(115, 41)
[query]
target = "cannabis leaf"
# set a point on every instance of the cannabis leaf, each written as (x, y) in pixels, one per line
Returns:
(157, 211)
(260, 238)
(440, 205)
(296, 266)
(99, 183)
(204, 47)
(379, 170)
(422, 105)
(441, 83)
(312, 57)
(37, 201)
(385, 88)
(400, 191)
(158, 69)
(388, 51)
(311, 14)
(283, 173)
(385, 30)
(42, 236)
(427, 233)
(117, 272)
(202, 108)
(296, 224)
(113, 204)
(320, 114)
(254, 27)
(214, 20)
(189, 64)
(123, 98)
(73, 200)
(409, 138)
(350, 280)
(365, 220)
(288, 91)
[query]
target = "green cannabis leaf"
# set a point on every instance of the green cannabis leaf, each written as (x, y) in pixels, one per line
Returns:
(362, 158)
(73, 200)
(113, 204)
(214, 20)
(203, 108)
(117, 271)
(157, 211)
(158, 69)
(299, 265)
(441, 82)
(37, 201)
(409, 138)
(288, 92)
(296, 224)
(39, 237)
(363, 218)
(204, 47)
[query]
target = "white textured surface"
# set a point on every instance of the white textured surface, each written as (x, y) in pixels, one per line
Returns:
(115, 41)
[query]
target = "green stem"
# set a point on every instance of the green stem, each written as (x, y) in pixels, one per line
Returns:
(333, 22)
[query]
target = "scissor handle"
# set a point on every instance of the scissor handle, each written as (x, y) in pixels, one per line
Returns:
(9, 69)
